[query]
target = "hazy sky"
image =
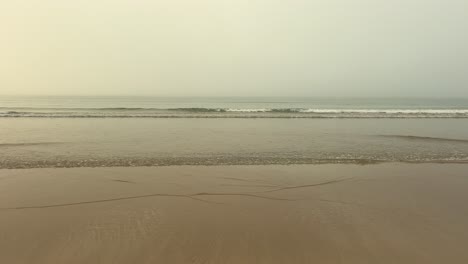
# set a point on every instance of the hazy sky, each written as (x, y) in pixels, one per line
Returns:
(234, 47)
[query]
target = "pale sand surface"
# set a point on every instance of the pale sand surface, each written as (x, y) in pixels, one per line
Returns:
(389, 213)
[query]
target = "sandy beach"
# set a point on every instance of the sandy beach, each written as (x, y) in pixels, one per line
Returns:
(234, 132)
(389, 213)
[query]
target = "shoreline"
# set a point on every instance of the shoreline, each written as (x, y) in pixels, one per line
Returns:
(208, 163)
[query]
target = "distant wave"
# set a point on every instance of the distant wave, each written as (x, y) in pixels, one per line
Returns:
(197, 110)
(117, 108)
(123, 112)
(326, 111)
(28, 144)
(323, 111)
(426, 138)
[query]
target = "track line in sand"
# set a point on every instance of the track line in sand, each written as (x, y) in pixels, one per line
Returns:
(188, 196)
(309, 185)
(191, 196)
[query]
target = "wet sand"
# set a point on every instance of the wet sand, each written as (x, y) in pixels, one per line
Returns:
(387, 213)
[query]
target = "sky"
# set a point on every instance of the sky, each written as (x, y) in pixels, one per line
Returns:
(234, 47)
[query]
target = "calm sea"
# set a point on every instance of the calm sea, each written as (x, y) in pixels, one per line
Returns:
(144, 131)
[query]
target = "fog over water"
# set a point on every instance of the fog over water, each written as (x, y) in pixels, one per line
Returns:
(235, 48)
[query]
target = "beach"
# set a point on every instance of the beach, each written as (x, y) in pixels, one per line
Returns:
(387, 213)
(234, 132)
(233, 180)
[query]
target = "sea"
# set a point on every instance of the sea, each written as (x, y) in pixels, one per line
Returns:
(73, 131)
(232, 107)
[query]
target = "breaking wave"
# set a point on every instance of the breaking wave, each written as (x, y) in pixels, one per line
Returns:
(120, 112)
(428, 139)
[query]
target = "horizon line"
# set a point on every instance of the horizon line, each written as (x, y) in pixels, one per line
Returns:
(240, 96)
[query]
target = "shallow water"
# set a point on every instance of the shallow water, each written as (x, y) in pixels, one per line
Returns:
(66, 142)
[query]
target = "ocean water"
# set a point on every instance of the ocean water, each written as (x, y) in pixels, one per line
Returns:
(231, 107)
(135, 131)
